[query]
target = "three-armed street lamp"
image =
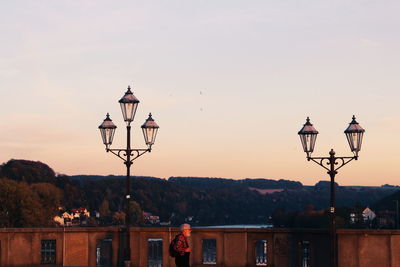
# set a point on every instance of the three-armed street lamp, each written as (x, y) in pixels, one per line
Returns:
(129, 105)
(308, 136)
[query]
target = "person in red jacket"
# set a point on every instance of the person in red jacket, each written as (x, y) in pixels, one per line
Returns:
(181, 246)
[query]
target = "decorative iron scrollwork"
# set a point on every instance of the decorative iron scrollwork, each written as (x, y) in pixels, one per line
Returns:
(339, 162)
(123, 153)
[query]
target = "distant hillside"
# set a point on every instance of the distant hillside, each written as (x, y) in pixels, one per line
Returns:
(207, 201)
(27, 171)
(212, 183)
(389, 202)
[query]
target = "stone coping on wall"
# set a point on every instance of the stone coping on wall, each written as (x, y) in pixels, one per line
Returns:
(200, 229)
(369, 231)
(161, 229)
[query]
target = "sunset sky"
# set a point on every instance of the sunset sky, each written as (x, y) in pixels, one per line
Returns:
(229, 82)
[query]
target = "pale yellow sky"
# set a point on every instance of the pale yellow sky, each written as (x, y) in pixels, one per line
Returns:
(229, 82)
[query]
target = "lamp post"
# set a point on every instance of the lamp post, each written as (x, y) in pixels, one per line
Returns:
(129, 105)
(308, 136)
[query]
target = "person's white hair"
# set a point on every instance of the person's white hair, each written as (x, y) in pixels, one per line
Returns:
(185, 226)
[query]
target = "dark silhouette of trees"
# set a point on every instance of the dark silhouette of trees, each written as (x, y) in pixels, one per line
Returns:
(31, 192)
(27, 171)
(22, 206)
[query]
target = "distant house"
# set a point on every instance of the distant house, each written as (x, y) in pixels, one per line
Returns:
(80, 212)
(76, 217)
(150, 218)
(59, 220)
(358, 216)
(368, 214)
(353, 217)
(189, 218)
(65, 219)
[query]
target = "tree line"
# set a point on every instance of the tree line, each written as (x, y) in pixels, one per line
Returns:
(31, 194)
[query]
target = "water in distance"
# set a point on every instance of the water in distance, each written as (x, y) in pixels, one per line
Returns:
(239, 226)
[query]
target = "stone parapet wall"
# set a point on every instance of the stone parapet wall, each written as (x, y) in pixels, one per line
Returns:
(235, 247)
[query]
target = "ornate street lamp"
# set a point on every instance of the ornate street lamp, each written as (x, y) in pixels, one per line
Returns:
(308, 136)
(107, 130)
(354, 134)
(150, 129)
(129, 105)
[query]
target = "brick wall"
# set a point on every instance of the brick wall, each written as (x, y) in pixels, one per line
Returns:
(234, 247)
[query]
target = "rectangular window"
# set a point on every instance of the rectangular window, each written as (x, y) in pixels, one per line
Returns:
(48, 252)
(104, 253)
(209, 251)
(261, 252)
(305, 254)
(155, 252)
